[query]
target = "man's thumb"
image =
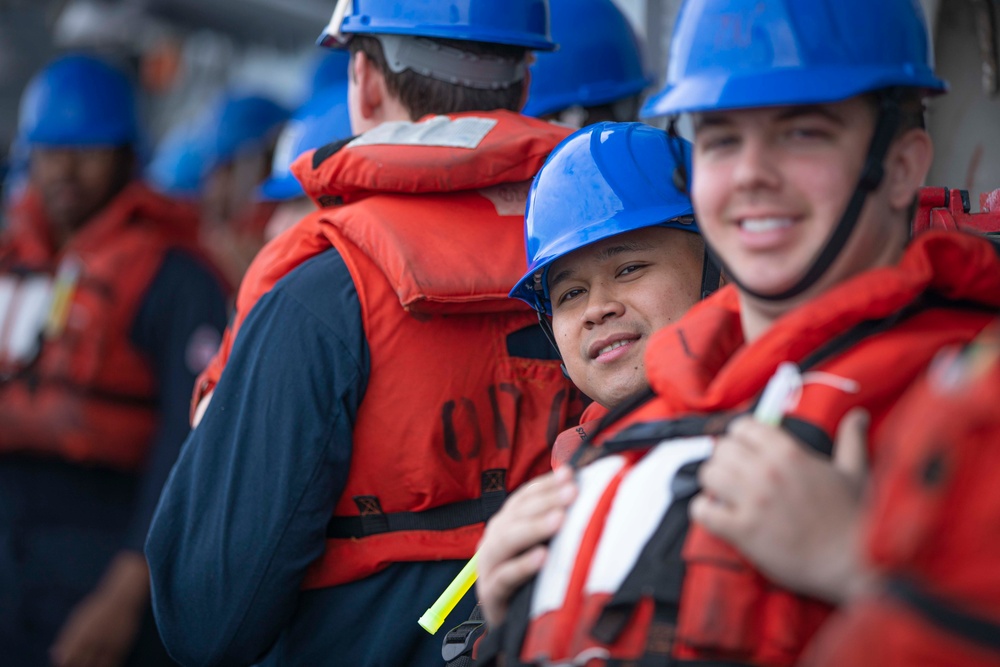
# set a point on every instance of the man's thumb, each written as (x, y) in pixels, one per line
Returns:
(850, 453)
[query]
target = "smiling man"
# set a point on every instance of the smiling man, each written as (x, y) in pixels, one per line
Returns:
(612, 259)
(809, 150)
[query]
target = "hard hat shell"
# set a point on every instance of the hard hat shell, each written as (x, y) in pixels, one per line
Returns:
(731, 54)
(321, 120)
(179, 162)
(514, 22)
(599, 60)
(79, 100)
(329, 70)
(241, 123)
(606, 179)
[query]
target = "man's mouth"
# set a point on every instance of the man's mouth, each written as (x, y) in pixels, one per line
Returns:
(609, 345)
(763, 225)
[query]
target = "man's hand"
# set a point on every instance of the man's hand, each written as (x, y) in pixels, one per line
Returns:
(795, 515)
(513, 547)
(101, 629)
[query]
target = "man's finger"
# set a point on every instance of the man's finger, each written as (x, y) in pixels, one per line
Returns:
(716, 517)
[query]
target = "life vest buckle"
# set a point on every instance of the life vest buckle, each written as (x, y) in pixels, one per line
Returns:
(461, 639)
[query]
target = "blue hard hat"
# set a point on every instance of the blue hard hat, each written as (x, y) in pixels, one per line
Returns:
(329, 69)
(79, 100)
(732, 54)
(599, 60)
(514, 22)
(179, 162)
(321, 120)
(603, 180)
(241, 123)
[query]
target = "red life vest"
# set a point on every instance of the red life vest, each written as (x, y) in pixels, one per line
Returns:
(72, 384)
(428, 218)
(570, 440)
(626, 577)
(933, 527)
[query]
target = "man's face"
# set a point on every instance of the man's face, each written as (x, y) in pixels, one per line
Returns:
(610, 297)
(771, 184)
(75, 183)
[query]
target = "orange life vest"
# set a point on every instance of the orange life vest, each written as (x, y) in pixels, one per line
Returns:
(72, 384)
(627, 578)
(428, 218)
(570, 440)
(934, 526)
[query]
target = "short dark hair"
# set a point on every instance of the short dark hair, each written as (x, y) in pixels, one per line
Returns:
(422, 95)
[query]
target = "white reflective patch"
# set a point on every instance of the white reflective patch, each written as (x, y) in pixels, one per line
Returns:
(29, 316)
(8, 285)
(553, 580)
(643, 497)
(438, 131)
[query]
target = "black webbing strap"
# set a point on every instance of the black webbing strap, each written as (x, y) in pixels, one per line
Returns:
(711, 274)
(456, 650)
(373, 521)
(944, 615)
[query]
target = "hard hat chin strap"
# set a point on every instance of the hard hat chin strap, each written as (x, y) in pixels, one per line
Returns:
(711, 267)
(438, 61)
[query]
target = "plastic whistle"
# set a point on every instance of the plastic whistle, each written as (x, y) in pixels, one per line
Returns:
(433, 618)
(777, 396)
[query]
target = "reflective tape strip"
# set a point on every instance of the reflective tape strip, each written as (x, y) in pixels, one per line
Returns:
(441, 131)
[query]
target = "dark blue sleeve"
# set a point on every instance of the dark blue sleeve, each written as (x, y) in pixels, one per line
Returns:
(178, 325)
(244, 512)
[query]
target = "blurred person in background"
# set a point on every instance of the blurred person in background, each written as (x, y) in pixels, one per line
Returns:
(240, 131)
(107, 314)
(381, 394)
(323, 119)
(596, 74)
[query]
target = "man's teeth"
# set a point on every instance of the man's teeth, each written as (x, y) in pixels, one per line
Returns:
(613, 346)
(759, 225)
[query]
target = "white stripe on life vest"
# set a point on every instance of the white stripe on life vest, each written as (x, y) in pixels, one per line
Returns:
(643, 497)
(28, 314)
(8, 285)
(464, 132)
(553, 580)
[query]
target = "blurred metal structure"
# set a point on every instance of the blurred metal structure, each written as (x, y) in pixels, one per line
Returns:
(270, 43)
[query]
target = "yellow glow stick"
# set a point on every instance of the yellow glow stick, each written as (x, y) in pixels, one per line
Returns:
(433, 618)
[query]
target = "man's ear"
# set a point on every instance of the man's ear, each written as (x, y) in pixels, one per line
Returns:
(907, 165)
(369, 85)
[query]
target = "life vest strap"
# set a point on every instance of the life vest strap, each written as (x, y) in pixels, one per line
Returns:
(459, 644)
(373, 521)
(943, 614)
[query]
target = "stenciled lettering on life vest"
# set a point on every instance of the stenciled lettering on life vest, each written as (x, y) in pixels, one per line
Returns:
(450, 421)
(72, 384)
(932, 531)
(570, 440)
(689, 596)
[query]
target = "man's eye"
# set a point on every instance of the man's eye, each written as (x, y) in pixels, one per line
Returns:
(807, 133)
(631, 268)
(569, 295)
(717, 142)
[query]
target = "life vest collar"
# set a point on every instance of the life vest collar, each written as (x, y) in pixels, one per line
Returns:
(461, 151)
(707, 370)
